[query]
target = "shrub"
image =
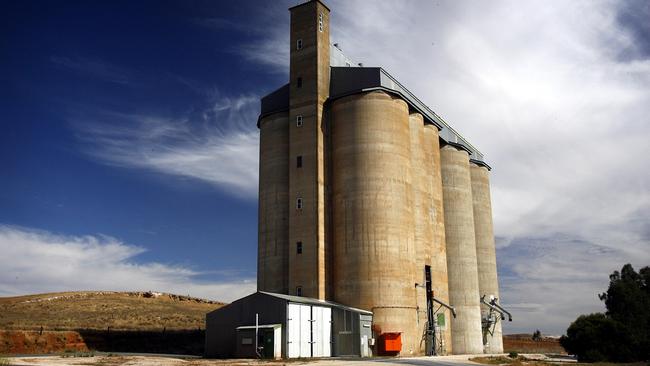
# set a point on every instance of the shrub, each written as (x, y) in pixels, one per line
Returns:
(623, 333)
(513, 354)
(537, 335)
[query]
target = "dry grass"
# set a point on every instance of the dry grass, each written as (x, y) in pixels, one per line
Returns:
(100, 310)
(523, 343)
(523, 361)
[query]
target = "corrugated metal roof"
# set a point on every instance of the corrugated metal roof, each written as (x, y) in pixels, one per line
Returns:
(312, 301)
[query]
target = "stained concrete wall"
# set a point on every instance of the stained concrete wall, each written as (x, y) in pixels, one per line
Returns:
(422, 170)
(485, 249)
(273, 221)
(373, 218)
(466, 333)
(309, 88)
(438, 246)
(429, 222)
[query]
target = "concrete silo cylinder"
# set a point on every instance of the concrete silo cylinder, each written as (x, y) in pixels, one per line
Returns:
(273, 229)
(438, 245)
(461, 251)
(373, 225)
(421, 171)
(485, 250)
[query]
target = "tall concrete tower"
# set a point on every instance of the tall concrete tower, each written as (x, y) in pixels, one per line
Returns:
(359, 204)
(309, 85)
(461, 250)
(485, 252)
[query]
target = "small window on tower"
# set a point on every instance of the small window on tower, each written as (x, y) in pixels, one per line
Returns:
(299, 82)
(299, 291)
(299, 44)
(299, 121)
(299, 204)
(299, 247)
(299, 161)
(320, 22)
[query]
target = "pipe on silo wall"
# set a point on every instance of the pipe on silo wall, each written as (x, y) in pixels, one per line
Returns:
(273, 210)
(485, 250)
(466, 332)
(373, 222)
(438, 247)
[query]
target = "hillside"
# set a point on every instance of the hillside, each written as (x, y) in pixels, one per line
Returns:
(142, 311)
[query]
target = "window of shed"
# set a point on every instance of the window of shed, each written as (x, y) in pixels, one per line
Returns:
(299, 121)
(299, 291)
(299, 161)
(299, 44)
(299, 204)
(299, 247)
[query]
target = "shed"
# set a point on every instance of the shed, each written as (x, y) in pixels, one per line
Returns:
(287, 326)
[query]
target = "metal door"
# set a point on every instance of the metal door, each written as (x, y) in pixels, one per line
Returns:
(321, 331)
(305, 331)
(293, 331)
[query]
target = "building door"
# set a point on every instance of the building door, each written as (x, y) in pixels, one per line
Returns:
(309, 331)
(293, 331)
(321, 331)
(305, 331)
(299, 331)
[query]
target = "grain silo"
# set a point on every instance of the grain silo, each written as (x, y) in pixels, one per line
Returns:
(370, 200)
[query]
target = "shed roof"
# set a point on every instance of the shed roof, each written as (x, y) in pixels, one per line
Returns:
(312, 301)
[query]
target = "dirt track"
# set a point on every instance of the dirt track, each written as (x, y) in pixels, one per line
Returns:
(170, 361)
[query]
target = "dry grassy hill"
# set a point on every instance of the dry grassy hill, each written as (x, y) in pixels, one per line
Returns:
(140, 311)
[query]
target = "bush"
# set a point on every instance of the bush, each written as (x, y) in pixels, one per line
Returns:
(513, 354)
(623, 333)
(597, 338)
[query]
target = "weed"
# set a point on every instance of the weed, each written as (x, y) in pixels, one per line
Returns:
(513, 354)
(4, 361)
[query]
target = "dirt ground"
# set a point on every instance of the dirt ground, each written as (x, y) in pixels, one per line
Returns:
(105, 360)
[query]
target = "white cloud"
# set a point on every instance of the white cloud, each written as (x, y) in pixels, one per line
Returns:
(541, 88)
(217, 144)
(39, 261)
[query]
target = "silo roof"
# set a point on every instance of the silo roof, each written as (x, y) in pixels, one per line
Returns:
(356, 79)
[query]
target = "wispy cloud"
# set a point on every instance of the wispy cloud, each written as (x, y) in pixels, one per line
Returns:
(555, 94)
(94, 68)
(39, 261)
(269, 44)
(217, 144)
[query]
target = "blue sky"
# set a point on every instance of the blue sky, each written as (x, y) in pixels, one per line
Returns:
(129, 149)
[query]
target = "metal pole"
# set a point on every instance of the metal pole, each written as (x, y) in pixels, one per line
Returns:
(257, 349)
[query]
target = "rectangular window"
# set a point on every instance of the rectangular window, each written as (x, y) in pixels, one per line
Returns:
(299, 247)
(320, 22)
(299, 161)
(299, 291)
(299, 82)
(299, 121)
(299, 204)
(299, 44)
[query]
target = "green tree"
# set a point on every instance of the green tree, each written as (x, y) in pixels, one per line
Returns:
(537, 335)
(623, 333)
(595, 337)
